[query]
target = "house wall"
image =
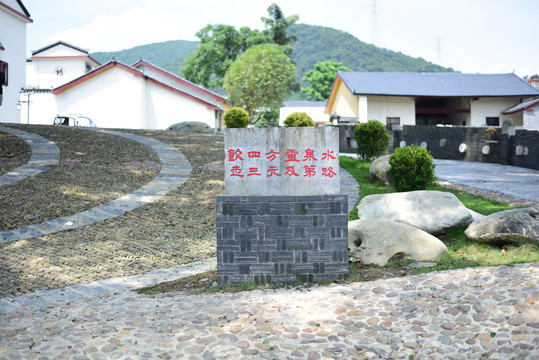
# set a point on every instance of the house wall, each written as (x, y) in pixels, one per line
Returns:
(381, 107)
(42, 72)
(492, 107)
(316, 113)
(13, 37)
(43, 108)
(346, 104)
(177, 84)
(164, 108)
(113, 99)
(531, 119)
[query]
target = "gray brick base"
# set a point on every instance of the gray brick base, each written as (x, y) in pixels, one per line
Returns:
(281, 239)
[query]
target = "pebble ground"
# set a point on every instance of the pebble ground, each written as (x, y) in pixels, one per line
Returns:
(474, 313)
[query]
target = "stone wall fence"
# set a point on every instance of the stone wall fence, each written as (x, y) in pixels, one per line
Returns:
(508, 146)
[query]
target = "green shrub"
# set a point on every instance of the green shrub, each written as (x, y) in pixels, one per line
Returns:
(299, 119)
(372, 139)
(412, 168)
(236, 118)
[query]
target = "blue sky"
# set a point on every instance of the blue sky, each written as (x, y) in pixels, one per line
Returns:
(472, 36)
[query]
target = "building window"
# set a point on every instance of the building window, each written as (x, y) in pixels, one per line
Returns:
(493, 121)
(3, 73)
(393, 120)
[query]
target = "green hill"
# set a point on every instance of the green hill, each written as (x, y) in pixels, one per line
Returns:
(168, 55)
(315, 43)
(318, 43)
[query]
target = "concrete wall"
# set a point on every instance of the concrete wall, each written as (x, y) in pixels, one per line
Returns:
(114, 99)
(493, 107)
(42, 72)
(346, 104)
(531, 119)
(382, 107)
(13, 38)
(164, 108)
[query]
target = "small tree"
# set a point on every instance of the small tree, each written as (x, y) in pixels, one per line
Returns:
(261, 78)
(236, 118)
(298, 119)
(412, 168)
(372, 139)
(321, 80)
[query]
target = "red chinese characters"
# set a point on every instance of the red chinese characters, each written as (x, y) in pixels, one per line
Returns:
(311, 164)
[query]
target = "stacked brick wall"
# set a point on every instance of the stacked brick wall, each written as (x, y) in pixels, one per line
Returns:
(281, 239)
(528, 154)
(474, 139)
(521, 149)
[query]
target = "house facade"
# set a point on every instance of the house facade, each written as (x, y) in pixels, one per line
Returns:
(429, 98)
(63, 79)
(13, 20)
(315, 109)
(56, 64)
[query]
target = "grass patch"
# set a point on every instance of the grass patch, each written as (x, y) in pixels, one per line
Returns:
(462, 252)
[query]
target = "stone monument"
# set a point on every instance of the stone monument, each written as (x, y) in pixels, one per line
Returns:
(282, 219)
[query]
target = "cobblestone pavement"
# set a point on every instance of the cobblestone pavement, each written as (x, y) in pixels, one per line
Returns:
(473, 313)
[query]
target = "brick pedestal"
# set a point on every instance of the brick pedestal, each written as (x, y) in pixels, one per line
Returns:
(281, 239)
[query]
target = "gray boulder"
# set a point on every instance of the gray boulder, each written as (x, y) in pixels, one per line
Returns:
(519, 225)
(377, 241)
(190, 126)
(379, 169)
(435, 212)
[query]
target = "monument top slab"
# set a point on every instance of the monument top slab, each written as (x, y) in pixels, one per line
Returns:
(276, 161)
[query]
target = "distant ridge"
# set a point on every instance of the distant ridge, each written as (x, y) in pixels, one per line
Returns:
(315, 43)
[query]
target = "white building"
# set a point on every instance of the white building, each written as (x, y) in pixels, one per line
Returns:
(315, 109)
(13, 20)
(64, 79)
(56, 64)
(429, 98)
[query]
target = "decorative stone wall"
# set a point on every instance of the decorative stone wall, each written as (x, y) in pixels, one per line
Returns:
(281, 239)
(520, 148)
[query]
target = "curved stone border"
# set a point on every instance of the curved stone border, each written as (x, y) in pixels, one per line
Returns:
(175, 171)
(43, 153)
(43, 298)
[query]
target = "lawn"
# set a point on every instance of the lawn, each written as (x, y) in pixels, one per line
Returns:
(461, 251)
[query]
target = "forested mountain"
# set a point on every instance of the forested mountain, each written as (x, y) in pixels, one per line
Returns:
(168, 55)
(318, 43)
(315, 43)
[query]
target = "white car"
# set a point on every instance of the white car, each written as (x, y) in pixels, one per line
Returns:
(73, 120)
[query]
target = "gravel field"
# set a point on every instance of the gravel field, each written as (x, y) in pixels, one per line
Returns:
(13, 152)
(177, 229)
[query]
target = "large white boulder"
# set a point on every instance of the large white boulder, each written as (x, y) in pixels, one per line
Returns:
(379, 169)
(518, 225)
(435, 212)
(377, 241)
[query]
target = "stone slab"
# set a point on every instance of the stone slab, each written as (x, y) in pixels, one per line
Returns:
(282, 161)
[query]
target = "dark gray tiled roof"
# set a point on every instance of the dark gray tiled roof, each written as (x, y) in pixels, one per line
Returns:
(35, 52)
(436, 84)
